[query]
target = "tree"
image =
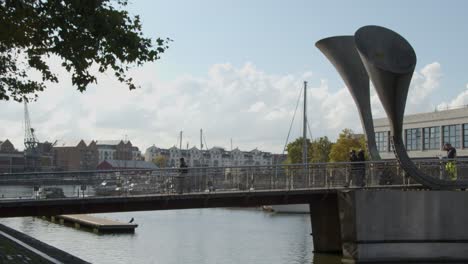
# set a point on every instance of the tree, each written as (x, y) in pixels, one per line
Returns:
(81, 33)
(295, 150)
(318, 150)
(347, 141)
(160, 161)
(321, 149)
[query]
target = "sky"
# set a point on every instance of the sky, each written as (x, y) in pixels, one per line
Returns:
(235, 70)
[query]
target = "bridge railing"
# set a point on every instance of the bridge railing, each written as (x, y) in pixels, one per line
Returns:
(75, 184)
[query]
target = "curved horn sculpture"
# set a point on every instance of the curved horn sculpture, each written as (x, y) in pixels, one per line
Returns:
(341, 52)
(390, 61)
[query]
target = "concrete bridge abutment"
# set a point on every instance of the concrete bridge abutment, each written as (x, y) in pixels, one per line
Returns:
(326, 229)
(399, 226)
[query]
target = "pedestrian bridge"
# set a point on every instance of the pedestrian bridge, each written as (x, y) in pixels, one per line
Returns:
(77, 192)
(365, 211)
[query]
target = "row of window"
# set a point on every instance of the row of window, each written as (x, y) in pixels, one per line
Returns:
(427, 138)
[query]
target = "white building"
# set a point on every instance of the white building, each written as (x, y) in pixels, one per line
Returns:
(424, 134)
(214, 157)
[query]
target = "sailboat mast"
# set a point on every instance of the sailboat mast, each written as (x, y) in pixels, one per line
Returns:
(201, 139)
(304, 128)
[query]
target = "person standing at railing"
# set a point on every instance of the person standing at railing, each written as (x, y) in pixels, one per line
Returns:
(182, 174)
(450, 166)
(361, 169)
(353, 168)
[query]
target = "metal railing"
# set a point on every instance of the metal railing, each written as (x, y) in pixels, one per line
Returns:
(78, 184)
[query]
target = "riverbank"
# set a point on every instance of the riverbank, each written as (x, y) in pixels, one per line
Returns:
(17, 247)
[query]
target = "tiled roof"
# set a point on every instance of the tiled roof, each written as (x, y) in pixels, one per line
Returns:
(111, 142)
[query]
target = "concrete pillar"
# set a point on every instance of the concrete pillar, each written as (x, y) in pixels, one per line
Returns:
(404, 225)
(325, 222)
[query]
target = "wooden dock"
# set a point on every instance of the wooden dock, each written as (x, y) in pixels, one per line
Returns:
(96, 224)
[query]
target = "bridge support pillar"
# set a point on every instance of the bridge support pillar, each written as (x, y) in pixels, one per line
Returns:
(325, 222)
(404, 226)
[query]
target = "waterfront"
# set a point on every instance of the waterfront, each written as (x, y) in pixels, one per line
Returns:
(185, 236)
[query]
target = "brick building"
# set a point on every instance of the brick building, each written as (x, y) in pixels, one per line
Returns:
(80, 155)
(11, 160)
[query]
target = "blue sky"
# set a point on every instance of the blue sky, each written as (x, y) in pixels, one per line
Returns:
(235, 69)
(279, 36)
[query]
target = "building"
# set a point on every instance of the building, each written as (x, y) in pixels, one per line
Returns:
(117, 150)
(214, 157)
(11, 160)
(425, 133)
(125, 164)
(86, 155)
(76, 155)
(279, 158)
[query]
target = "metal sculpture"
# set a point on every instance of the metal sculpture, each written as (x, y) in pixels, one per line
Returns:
(389, 61)
(341, 52)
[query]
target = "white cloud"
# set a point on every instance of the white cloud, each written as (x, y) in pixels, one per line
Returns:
(459, 101)
(250, 106)
(256, 107)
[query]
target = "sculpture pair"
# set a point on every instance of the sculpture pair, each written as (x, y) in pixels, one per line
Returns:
(389, 60)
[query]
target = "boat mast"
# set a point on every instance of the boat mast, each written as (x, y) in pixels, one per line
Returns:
(304, 128)
(180, 141)
(201, 149)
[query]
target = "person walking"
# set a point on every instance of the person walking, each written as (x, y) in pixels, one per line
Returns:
(450, 166)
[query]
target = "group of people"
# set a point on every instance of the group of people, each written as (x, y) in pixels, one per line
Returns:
(358, 169)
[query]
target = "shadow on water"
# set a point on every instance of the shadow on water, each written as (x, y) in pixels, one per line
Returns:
(326, 259)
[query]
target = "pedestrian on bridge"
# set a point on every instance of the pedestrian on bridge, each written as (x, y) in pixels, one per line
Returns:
(361, 170)
(450, 166)
(182, 175)
(353, 168)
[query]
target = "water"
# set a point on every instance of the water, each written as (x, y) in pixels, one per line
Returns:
(185, 236)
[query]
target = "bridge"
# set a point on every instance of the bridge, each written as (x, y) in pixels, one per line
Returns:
(341, 195)
(409, 210)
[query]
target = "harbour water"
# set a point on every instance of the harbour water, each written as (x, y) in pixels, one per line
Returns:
(185, 236)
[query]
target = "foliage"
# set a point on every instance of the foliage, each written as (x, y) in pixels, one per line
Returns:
(295, 150)
(160, 161)
(321, 149)
(317, 151)
(81, 33)
(347, 141)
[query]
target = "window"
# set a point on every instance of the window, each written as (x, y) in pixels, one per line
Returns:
(413, 139)
(381, 139)
(452, 135)
(465, 135)
(431, 137)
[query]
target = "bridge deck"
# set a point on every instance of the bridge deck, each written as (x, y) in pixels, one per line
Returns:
(87, 205)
